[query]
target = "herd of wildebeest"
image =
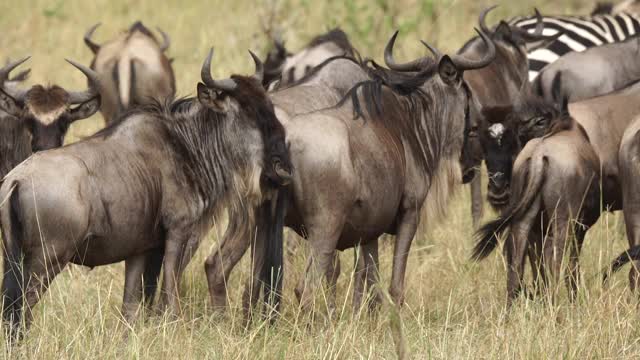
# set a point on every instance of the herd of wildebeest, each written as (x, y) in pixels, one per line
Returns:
(330, 144)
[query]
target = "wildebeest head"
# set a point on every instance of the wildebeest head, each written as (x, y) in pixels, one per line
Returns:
(133, 67)
(511, 128)
(458, 65)
(49, 111)
(288, 67)
(244, 100)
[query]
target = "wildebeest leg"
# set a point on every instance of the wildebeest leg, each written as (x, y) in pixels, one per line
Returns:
(224, 258)
(331, 276)
(369, 271)
(133, 269)
(176, 241)
(515, 249)
(535, 251)
(632, 222)
(39, 272)
(477, 208)
(575, 247)
(323, 240)
(407, 227)
(554, 252)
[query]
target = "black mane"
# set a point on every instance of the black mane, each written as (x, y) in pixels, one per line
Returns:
(336, 36)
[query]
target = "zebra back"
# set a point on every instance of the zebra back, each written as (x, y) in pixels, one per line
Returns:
(580, 33)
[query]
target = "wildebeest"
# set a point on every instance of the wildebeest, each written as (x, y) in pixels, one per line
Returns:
(374, 173)
(134, 69)
(288, 68)
(47, 112)
(593, 72)
(321, 88)
(154, 180)
(629, 166)
(555, 195)
(604, 120)
(499, 83)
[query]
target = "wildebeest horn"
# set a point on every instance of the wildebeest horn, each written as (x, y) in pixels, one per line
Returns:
(463, 63)
(433, 49)
(17, 94)
(539, 23)
(259, 73)
(87, 38)
(78, 97)
(415, 65)
(166, 40)
(482, 19)
(205, 75)
(537, 34)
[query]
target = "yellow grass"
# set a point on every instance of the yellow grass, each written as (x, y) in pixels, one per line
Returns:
(454, 309)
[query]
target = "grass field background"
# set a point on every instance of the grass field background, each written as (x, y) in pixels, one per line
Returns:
(454, 309)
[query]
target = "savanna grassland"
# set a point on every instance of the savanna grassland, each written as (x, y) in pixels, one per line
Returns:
(454, 308)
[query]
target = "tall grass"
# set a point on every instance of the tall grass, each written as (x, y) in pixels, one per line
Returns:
(454, 309)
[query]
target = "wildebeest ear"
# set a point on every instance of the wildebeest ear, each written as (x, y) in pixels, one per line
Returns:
(209, 98)
(503, 30)
(10, 105)
(448, 71)
(84, 110)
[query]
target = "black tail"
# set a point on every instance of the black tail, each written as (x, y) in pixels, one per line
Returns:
(487, 238)
(13, 280)
(152, 275)
(620, 261)
(272, 268)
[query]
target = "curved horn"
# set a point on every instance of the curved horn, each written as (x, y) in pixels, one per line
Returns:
(259, 73)
(78, 97)
(166, 40)
(14, 92)
(415, 65)
(87, 38)
(539, 23)
(463, 63)
(482, 19)
(205, 75)
(433, 49)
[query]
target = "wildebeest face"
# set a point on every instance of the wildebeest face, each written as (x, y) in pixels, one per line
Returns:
(501, 146)
(48, 111)
(246, 108)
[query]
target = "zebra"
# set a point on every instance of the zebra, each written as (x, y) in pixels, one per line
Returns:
(580, 33)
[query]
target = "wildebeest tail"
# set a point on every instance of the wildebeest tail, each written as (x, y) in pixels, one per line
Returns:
(621, 260)
(526, 186)
(273, 270)
(13, 280)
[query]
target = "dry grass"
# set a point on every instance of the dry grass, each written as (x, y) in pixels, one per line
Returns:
(454, 309)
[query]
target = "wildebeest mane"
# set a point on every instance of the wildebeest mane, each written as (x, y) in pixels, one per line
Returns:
(198, 133)
(316, 69)
(336, 36)
(15, 143)
(400, 102)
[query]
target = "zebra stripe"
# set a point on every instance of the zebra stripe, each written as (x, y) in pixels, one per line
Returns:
(580, 33)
